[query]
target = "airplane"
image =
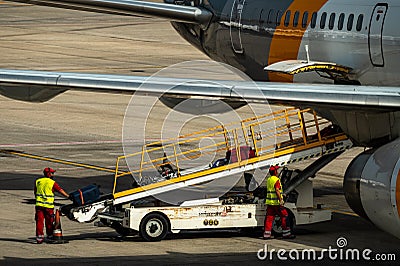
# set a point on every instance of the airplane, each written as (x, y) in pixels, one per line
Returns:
(340, 58)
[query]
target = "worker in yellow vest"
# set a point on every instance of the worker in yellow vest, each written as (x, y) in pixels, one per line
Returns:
(274, 202)
(44, 209)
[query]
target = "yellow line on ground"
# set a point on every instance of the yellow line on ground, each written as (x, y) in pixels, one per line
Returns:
(344, 212)
(60, 161)
(11, 3)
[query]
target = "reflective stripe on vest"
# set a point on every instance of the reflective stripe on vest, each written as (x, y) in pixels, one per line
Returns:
(44, 192)
(272, 198)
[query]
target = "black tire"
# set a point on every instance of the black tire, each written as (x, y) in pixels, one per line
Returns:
(290, 222)
(153, 227)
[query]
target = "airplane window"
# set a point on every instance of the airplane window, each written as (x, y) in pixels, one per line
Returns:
(350, 22)
(287, 18)
(314, 20)
(278, 17)
(341, 21)
(323, 20)
(296, 19)
(332, 21)
(304, 20)
(271, 14)
(359, 22)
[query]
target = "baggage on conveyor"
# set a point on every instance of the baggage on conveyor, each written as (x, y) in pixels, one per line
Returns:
(85, 195)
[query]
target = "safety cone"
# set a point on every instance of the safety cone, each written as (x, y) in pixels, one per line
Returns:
(57, 231)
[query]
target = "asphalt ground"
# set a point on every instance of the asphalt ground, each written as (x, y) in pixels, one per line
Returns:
(86, 127)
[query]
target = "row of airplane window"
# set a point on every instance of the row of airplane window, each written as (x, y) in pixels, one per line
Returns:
(274, 17)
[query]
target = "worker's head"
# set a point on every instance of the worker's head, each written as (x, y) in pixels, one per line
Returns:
(273, 170)
(48, 172)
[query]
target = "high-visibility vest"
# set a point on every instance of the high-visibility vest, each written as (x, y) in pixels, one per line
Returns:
(272, 198)
(44, 192)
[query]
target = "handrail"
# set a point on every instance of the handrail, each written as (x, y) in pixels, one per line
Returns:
(296, 129)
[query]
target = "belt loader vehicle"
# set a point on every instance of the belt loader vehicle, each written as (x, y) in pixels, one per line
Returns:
(137, 209)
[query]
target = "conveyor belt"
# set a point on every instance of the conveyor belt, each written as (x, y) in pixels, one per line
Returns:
(299, 138)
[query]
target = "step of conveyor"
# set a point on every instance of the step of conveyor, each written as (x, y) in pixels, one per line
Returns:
(242, 147)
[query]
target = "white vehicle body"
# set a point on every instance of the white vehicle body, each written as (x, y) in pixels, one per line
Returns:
(153, 223)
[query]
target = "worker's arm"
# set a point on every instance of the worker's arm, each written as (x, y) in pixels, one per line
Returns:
(278, 192)
(57, 188)
(65, 194)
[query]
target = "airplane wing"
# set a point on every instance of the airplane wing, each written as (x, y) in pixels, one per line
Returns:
(40, 86)
(179, 13)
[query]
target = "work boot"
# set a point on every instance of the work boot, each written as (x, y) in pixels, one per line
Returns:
(39, 239)
(267, 236)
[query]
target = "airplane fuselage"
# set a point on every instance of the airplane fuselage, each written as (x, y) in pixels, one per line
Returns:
(251, 34)
(359, 34)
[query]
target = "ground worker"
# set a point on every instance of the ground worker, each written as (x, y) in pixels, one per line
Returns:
(44, 209)
(274, 201)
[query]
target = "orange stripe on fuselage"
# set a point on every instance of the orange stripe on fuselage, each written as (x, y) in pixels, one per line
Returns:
(398, 193)
(286, 40)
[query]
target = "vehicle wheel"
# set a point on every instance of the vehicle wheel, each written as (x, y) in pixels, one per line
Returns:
(153, 227)
(277, 225)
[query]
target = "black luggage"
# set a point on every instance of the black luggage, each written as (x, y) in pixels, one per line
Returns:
(86, 195)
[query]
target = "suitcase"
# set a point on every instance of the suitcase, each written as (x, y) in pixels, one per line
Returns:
(85, 195)
(244, 154)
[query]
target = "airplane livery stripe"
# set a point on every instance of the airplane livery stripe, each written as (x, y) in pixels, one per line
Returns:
(286, 41)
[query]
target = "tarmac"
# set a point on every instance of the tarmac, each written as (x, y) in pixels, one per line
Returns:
(86, 127)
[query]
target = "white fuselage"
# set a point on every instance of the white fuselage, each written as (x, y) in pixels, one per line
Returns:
(373, 52)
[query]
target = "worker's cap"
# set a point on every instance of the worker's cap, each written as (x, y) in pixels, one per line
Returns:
(49, 170)
(273, 168)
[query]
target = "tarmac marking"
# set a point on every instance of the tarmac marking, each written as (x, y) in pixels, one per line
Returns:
(60, 161)
(72, 143)
(59, 143)
(81, 155)
(114, 153)
(344, 212)
(12, 4)
(72, 168)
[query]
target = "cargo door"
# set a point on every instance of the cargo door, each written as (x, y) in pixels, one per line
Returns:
(375, 34)
(236, 26)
